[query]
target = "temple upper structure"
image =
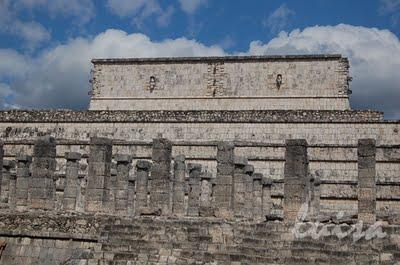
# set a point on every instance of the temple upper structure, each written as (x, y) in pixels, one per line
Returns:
(309, 82)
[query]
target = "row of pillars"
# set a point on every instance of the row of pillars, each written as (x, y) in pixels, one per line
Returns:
(300, 189)
(236, 191)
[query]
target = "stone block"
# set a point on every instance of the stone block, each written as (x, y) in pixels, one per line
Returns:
(240, 161)
(23, 158)
(249, 169)
(143, 165)
(73, 156)
(122, 158)
(366, 147)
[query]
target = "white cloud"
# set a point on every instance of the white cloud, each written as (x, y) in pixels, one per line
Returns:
(141, 10)
(81, 10)
(278, 19)
(372, 53)
(31, 32)
(191, 6)
(60, 77)
(12, 64)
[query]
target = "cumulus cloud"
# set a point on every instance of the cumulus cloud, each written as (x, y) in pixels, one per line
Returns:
(59, 77)
(191, 6)
(372, 54)
(31, 32)
(140, 10)
(279, 19)
(81, 10)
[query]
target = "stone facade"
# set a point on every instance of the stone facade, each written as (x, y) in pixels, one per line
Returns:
(221, 83)
(221, 173)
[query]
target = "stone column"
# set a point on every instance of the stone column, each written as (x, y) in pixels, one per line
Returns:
(22, 183)
(239, 187)
(161, 176)
(266, 195)
(131, 194)
(223, 189)
(121, 187)
(12, 195)
(366, 181)
(99, 173)
(6, 181)
(258, 212)
(1, 167)
(71, 181)
(178, 207)
(296, 180)
(206, 208)
(142, 179)
(42, 188)
(194, 189)
(315, 200)
(248, 203)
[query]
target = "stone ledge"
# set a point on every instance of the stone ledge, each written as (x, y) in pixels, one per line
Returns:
(263, 116)
(219, 58)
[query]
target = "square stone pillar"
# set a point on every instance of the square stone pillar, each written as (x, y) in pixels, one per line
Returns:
(178, 207)
(223, 189)
(206, 208)
(266, 195)
(99, 173)
(42, 187)
(121, 188)
(71, 181)
(296, 179)
(142, 180)
(23, 178)
(239, 187)
(315, 198)
(6, 181)
(366, 181)
(1, 167)
(248, 203)
(161, 176)
(194, 189)
(257, 201)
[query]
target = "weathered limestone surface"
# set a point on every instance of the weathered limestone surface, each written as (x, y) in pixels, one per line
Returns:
(222, 83)
(99, 174)
(42, 187)
(23, 181)
(122, 184)
(223, 190)
(71, 191)
(239, 178)
(297, 183)
(178, 207)
(142, 185)
(160, 176)
(1, 167)
(159, 241)
(194, 189)
(366, 181)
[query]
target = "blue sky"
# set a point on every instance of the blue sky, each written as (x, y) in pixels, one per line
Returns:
(46, 45)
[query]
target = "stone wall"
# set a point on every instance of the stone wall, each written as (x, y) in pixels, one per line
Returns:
(114, 180)
(259, 136)
(223, 83)
(159, 241)
(110, 209)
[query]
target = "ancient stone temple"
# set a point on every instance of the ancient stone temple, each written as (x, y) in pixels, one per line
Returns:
(220, 160)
